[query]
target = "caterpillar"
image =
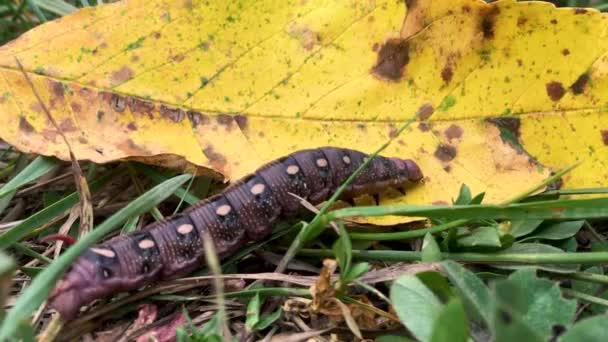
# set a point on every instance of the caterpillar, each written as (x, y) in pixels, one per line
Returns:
(245, 211)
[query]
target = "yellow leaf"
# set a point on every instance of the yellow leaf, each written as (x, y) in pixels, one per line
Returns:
(223, 87)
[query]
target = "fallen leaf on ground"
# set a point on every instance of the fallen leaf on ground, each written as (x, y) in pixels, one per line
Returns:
(518, 88)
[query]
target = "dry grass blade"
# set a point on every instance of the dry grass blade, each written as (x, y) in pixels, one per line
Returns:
(86, 207)
(348, 318)
(214, 265)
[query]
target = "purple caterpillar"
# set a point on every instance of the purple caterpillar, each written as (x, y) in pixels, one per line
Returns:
(244, 212)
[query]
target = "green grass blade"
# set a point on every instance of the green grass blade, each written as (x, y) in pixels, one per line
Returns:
(37, 168)
(570, 258)
(41, 286)
(556, 209)
(58, 7)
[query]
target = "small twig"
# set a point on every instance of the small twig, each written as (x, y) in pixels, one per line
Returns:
(26, 191)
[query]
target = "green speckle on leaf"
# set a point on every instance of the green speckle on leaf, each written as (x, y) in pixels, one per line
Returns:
(448, 102)
(39, 70)
(226, 99)
(85, 50)
(136, 44)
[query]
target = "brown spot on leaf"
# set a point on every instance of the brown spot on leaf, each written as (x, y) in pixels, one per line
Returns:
(555, 185)
(100, 115)
(362, 127)
(512, 125)
(76, 107)
(25, 126)
(132, 126)
(129, 147)
(604, 134)
(466, 8)
(218, 161)
(555, 90)
(426, 110)
(578, 87)
(392, 59)
(445, 153)
(173, 114)
(307, 37)
(121, 75)
(520, 62)
(178, 58)
(83, 140)
(580, 11)
(67, 125)
(447, 73)
(553, 21)
(50, 134)
(447, 168)
(565, 52)
(57, 89)
(86, 93)
(261, 134)
(197, 118)
(118, 103)
(521, 21)
(488, 21)
(242, 121)
(424, 126)
(36, 107)
(440, 203)
(453, 132)
(375, 47)
(224, 120)
(156, 35)
(140, 106)
(392, 131)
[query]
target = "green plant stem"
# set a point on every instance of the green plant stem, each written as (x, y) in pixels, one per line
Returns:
(30, 252)
(509, 258)
(587, 276)
(410, 234)
(585, 297)
(582, 191)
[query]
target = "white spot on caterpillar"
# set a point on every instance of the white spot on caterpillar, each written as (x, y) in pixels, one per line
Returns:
(108, 253)
(293, 169)
(146, 243)
(257, 188)
(346, 159)
(185, 229)
(106, 273)
(223, 210)
(321, 162)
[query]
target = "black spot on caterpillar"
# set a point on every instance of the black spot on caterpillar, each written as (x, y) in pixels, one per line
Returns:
(245, 211)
